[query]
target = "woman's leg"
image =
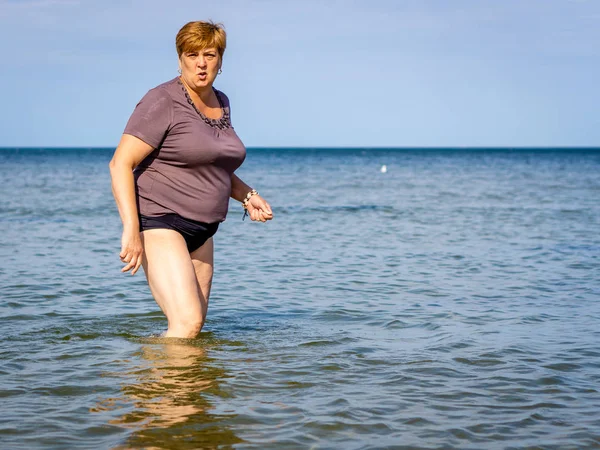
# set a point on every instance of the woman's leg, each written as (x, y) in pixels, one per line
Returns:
(173, 282)
(203, 261)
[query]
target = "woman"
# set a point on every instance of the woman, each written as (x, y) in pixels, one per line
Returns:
(172, 176)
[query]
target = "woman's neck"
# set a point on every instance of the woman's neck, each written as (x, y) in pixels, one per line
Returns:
(204, 95)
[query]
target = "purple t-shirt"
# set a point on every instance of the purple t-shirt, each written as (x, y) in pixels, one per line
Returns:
(189, 171)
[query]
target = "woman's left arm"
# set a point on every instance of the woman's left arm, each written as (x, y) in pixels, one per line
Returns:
(257, 207)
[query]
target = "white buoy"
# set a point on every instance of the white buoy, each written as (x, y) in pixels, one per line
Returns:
(383, 169)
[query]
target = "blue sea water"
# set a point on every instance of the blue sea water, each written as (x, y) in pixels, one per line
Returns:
(451, 302)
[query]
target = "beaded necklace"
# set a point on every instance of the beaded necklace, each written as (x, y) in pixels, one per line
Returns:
(221, 123)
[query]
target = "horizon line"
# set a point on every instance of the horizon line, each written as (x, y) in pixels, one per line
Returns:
(451, 147)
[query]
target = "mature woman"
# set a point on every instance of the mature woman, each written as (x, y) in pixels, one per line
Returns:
(172, 176)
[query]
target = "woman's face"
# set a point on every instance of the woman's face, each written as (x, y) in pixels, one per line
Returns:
(199, 68)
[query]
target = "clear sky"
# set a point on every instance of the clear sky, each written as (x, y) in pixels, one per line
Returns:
(313, 73)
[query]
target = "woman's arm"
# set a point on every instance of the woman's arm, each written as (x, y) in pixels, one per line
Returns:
(129, 153)
(257, 207)
(239, 189)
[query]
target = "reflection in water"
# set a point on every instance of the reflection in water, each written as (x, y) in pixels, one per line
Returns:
(171, 399)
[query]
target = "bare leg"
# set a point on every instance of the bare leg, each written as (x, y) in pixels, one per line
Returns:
(173, 282)
(203, 261)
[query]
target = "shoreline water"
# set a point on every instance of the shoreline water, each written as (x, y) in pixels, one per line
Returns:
(451, 302)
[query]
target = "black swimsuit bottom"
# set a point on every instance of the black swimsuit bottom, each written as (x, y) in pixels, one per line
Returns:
(195, 233)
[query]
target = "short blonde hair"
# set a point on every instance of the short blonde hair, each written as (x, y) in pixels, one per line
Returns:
(199, 35)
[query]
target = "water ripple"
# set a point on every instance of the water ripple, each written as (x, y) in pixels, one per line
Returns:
(450, 303)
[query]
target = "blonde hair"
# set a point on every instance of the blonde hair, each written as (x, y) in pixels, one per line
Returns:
(199, 35)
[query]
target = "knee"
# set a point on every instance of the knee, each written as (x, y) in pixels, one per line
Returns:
(189, 328)
(193, 327)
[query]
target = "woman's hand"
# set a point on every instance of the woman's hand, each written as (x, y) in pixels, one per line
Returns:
(128, 155)
(131, 251)
(259, 209)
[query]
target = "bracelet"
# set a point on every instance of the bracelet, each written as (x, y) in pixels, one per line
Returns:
(248, 197)
(246, 200)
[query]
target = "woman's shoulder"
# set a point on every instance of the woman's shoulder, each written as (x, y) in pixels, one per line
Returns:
(160, 96)
(164, 89)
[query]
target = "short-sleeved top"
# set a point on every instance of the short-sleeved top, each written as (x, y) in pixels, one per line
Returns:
(189, 171)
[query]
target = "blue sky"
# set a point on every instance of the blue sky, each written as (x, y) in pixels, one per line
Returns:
(313, 73)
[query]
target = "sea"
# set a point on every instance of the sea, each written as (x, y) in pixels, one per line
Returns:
(399, 299)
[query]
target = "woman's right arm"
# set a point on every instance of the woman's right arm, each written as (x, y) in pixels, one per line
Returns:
(129, 153)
